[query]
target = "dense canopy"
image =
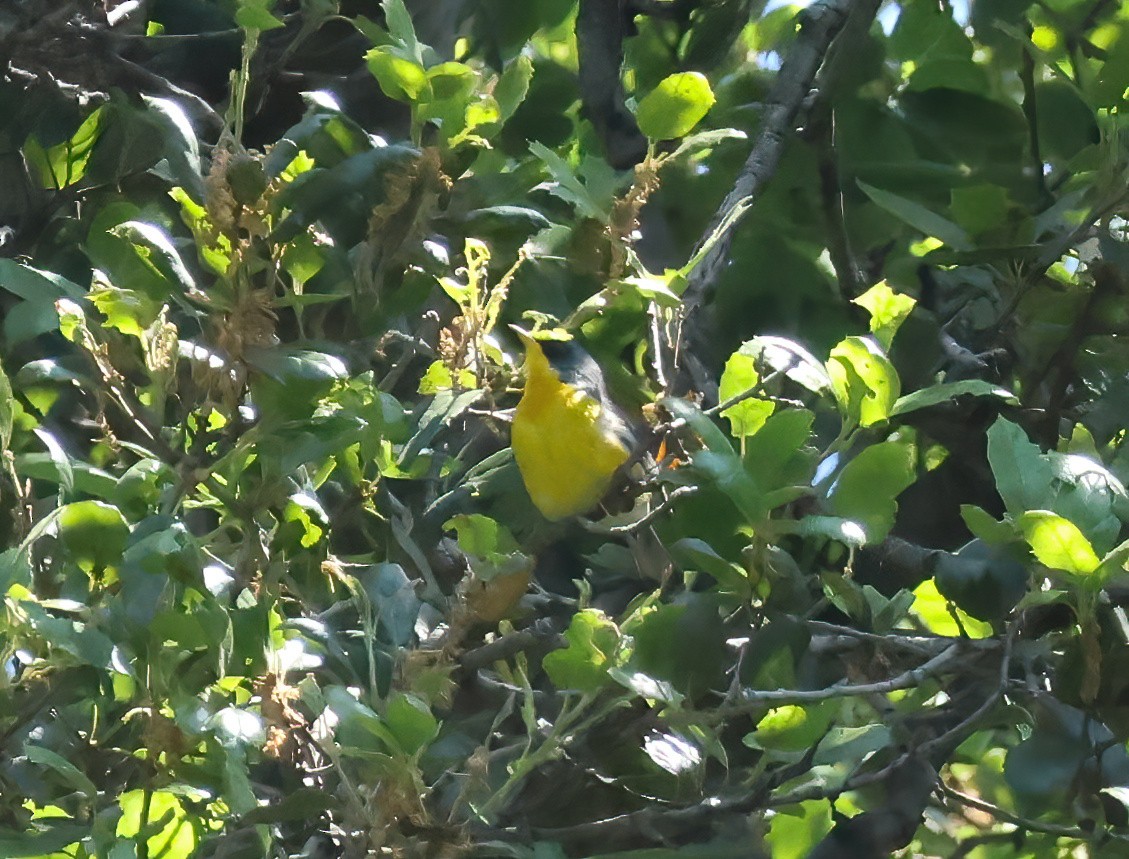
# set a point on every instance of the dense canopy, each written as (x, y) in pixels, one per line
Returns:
(856, 275)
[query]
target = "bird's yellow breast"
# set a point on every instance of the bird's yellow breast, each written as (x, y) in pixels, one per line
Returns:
(566, 453)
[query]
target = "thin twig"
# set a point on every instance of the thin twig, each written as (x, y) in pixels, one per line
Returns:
(754, 699)
(1014, 819)
(653, 514)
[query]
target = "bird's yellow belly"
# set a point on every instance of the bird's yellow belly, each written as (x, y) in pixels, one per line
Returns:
(566, 457)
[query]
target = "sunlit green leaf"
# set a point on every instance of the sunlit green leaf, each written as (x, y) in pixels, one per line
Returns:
(64, 164)
(175, 836)
(740, 377)
(593, 645)
(887, 310)
(1058, 543)
(866, 384)
(675, 106)
(400, 78)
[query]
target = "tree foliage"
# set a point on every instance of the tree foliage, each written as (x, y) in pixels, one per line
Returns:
(272, 582)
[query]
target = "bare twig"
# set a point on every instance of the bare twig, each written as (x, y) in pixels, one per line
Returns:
(754, 699)
(653, 514)
(1014, 819)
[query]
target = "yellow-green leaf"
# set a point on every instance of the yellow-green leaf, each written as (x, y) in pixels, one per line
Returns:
(1058, 543)
(675, 106)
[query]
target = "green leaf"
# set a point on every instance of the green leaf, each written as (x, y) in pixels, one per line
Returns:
(846, 531)
(682, 643)
(985, 581)
(481, 535)
(95, 534)
(866, 490)
(255, 15)
(980, 208)
(593, 647)
(707, 140)
(513, 85)
(451, 81)
(1058, 543)
(792, 727)
(936, 615)
(482, 114)
(305, 511)
(1067, 123)
(359, 730)
(945, 391)
(156, 251)
(887, 310)
(1115, 562)
(740, 376)
(567, 185)
(302, 804)
(399, 78)
(70, 774)
(393, 597)
(919, 217)
(292, 365)
(1046, 763)
(491, 549)
(795, 830)
(39, 290)
(865, 383)
(718, 462)
(64, 165)
(852, 744)
(692, 553)
(1023, 475)
(675, 106)
(411, 721)
(71, 475)
(171, 834)
(62, 469)
(779, 455)
(400, 27)
(127, 310)
(30, 283)
(46, 838)
(985, 526)
(1089, 495)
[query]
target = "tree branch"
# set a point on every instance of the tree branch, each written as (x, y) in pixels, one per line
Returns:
(821, 22)
(542, 633)
(754, 699)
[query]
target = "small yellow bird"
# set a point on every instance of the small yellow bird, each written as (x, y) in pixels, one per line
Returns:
(567, 437)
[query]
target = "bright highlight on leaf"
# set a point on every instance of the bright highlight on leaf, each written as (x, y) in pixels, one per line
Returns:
(865, 382)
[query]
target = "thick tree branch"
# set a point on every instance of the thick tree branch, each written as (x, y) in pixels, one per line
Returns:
(821, 22)
(543, 633)
(601, 26)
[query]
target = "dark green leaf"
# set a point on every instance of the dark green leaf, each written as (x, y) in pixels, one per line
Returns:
(921, 218)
